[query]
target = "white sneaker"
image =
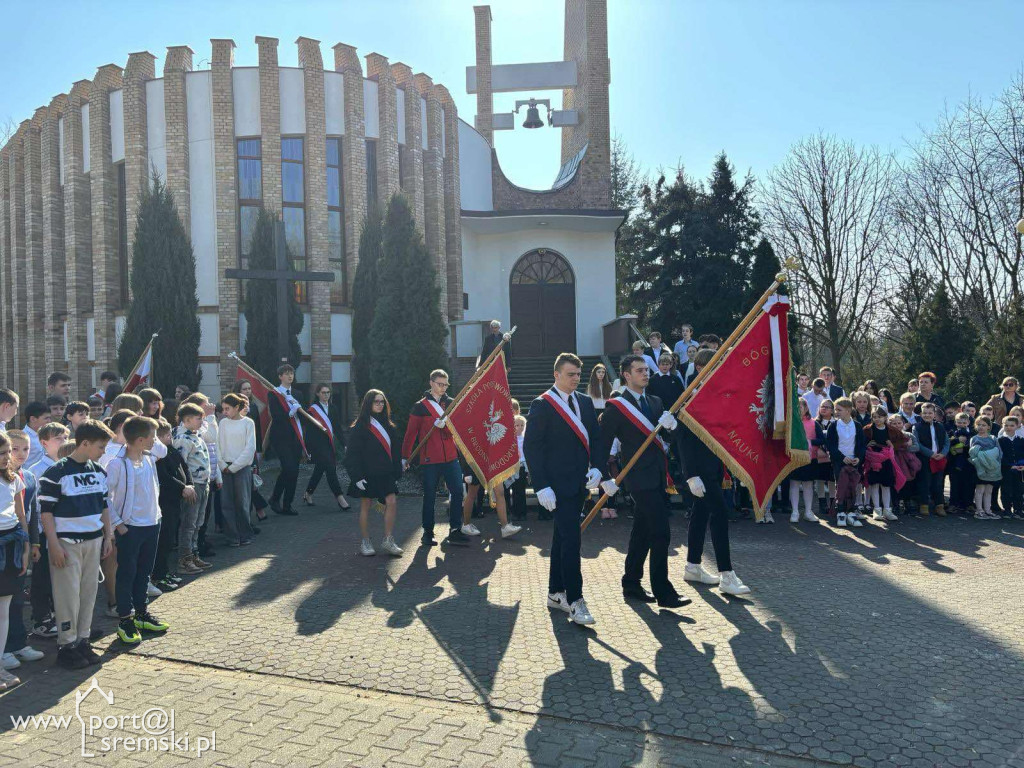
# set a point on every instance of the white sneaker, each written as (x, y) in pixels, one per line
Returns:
(731, 584)
(366, 549)
(9, 661)
(558, 600)
(510, 530)
(889, 515)
(579, 613)
(152, 591)
(855, 522)
(841, 519)
(28, 653)
(810, 517)
(389, 546)
(768, 516)
(877, 515)
(470, 530)
(695, 572)
(7, 680)
(795, 517)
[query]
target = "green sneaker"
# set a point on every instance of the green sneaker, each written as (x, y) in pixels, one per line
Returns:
(127, 632)
(148, 621)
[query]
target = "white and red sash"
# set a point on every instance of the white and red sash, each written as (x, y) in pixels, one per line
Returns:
(571, 418)
(286, 403)
(318, 412)
(432, 405)
(636, 417)
(381, 434)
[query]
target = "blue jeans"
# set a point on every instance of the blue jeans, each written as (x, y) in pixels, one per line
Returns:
(136, 555)
(452, 474)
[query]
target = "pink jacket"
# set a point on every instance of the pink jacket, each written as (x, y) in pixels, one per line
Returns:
(875, 460)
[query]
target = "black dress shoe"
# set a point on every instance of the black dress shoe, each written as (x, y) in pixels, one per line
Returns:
(287, 512)
(275, 507)
(673, 601)
(427, 539)
(637, 593)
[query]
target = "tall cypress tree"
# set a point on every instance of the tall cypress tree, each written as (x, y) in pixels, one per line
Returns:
(260, 306)
(163, 296)
(364, 297)
(408, 332)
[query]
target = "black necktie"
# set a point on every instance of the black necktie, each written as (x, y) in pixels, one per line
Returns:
(644, 408)
(572, 404)
(288, 392)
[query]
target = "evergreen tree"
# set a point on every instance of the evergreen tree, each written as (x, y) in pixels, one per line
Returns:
(364, 298)
(941, 338)
(408, 331)
(765, 267)
(163, 295)
(695, 246)
(626, 184)
(260, 306)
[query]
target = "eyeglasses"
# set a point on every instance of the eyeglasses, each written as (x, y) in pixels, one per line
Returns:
(441, 384)
(378, 402)
(1009, 385)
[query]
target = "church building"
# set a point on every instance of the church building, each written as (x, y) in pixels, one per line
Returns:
(315, 145)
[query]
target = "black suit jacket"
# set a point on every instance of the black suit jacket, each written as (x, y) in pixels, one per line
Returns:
(555, 455)
(649, 471)
(492, 340)
(366, 456)
(282, 432)
(860, 445)
(666, 388)
(698, 459)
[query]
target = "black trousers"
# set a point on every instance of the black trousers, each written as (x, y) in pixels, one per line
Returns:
(650, 535)
(330, 471)
(565, 574)
(1013, 490)
(710, 509)
(168, 541)
(41, 588)
(515, 498)
(284, 488)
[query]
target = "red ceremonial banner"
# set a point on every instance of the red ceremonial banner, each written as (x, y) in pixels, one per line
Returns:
(260, 393)
(733, 413)
(483, 426)
(143, 370)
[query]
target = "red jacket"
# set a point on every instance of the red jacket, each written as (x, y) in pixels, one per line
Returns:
(440, 447)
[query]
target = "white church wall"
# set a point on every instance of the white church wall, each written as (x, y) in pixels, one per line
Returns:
(202, 185)
(116, 100)
(474, 170)
(488, 260)
(334, 103)
(245, 88)
(291, 81)
(371, 109)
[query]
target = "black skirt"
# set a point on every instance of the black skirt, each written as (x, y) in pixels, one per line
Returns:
(377, 487)
(806, 473)
(10, 579)
(825, 471)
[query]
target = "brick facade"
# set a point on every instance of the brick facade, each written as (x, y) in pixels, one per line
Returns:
(353, 149)
(103, 185)
(34, 271)
(377, 68)
(59, 199)
(53, 284)
(312, 62)
(228, 291)
(16, 190)
(77, 240)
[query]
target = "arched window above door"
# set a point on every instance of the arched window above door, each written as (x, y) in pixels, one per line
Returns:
(540, 267)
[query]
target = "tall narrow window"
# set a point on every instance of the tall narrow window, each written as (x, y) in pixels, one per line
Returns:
(335, 221)
(250, 195)
(122, 237)
(371, 172)
(293, 196)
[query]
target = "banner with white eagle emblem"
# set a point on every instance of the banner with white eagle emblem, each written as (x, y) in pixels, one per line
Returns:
(483, 427)
(746, 410)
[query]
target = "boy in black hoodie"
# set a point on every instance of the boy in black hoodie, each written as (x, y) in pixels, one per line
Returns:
(175, 485)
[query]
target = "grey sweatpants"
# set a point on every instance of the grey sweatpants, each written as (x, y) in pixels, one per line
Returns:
(74, 588)
(192, 516)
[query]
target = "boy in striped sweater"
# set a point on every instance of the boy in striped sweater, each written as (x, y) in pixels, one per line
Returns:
(73, 498)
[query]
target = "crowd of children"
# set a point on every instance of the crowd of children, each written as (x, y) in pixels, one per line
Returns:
(877, 458)
(107, 491)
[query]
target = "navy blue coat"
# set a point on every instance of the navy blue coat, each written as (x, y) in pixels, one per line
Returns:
(554, 454)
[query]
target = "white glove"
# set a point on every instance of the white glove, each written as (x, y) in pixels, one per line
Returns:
(593, 478)
(696, 486)
(468, 479)
(546, 498)
(667, 421)
(361, 485)
(610, 487)
(441, 423)
(506, 337)
(405, 465)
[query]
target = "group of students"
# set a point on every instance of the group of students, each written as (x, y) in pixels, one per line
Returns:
(123, 500)
(872, 453)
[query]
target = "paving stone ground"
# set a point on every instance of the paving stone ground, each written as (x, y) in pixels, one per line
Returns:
(879, 646)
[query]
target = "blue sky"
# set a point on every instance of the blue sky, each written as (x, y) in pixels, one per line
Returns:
(688, 78)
